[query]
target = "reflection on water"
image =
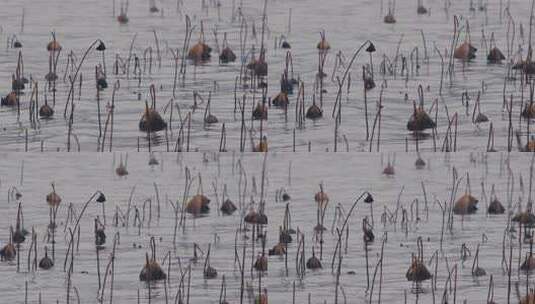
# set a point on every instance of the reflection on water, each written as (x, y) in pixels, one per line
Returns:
(413, 196)
(347, 24)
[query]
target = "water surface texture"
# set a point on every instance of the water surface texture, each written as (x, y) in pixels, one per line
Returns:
(347, 24)
(76, 178)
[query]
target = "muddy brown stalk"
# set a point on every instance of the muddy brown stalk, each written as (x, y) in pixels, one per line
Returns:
(185, 47)
(33, 246)
(378, 266)
(242, 272)
(377, 121)
(300, 257)
(243, 43)
(336, 108)
(110, 270)
(363, 196)
(300, 106)
(365, 104)
(322, 57)
(456, 34)
(182, 220)
(75, 76)
(339, 267)
(71, 265)
(243, 133)
(336, 128)
(490, 141)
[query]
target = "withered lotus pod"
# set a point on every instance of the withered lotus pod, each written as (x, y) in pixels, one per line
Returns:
(285, 197)
(465, 51)
(525, 218)
(285, 237)
(287, 85)
(278, 249)
(198, 204)
(281, 100)
(466, 204)
(525, 66)
(480, 117)
(261, 218)
(420, 120)
(53, 46)
(100, 237)
(102, 83)
(53, 199)
(8, 252)
(530, 146)
(199, 52)
(421, 10)
(260, 111)
(419, 163)
(321, 197)
(210, 272)
(319, 228)
(18, 236)
(250, 217)
(371, 48)
(313, 262)
(101, 46)
(254, 217)
(261, 263)
(323, 45)
(389, 18)
(259, 66)
(151, 121)
(495, 207)
(46, 262)
(285, 45)
(528, 264)
(46, 111)
(51, 76)
(262, 145)
(368, 235)
(417, 272)
(529, 111)
(17, 84)
(101, 198)
(228, 207)
(314, 112)
(121, 170)
(227, 55)
(151, 271)
(210, 119)
(369, 83)
(10, 100)
(153, 161)
(122, 18)
(495, 55)
(389, 169)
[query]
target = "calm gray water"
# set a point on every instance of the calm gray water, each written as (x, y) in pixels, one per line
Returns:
(77, 177)
(348, 23)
